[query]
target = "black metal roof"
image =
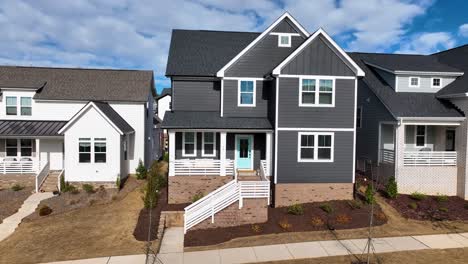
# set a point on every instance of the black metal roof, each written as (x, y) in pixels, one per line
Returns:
(457, 57)
(212, 120)
(203, 52)
(30, 128)
(114, 117)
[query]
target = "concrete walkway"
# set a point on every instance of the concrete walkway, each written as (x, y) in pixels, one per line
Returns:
(29, 206)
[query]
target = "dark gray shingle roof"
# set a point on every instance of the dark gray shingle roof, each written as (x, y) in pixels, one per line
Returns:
(30, 128)
(212, 120)
(403, 104)
(80, 84)
(202, 52)
(115, 117)
(164, 92)
(456, 57)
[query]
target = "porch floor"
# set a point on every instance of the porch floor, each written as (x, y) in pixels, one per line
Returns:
(10, 179)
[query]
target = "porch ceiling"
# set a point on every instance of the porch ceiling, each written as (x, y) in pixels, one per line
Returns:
(30, 128)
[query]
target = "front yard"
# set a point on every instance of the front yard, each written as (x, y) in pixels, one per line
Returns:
(14, 190)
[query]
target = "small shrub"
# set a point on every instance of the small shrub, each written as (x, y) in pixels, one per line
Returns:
(45, 210)
(166, 156)
(317, 221)
(285, 225)
(88, 188)
(343, 219)
(327, 208)
(118, 183)
(74, 190)
(391, 188)
(443, 209)
(418, 196)
(256, 228)
(17, 187)
(413, 205)
(66, 186)
(197, 196)
(296, 209)
(369, 194)
(141, 171)
(355, 204)
(441, 198)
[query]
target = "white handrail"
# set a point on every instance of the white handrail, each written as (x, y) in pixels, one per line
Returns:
(59, 186)
(41, 176)
(430, 158)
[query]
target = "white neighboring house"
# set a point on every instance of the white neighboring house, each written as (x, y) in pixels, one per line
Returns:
(164, 102)
(93, 125)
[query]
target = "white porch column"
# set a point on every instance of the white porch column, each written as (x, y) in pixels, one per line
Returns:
(222, 154)
(268, 152)
(38, 154)
(171, 153)
(399, 148)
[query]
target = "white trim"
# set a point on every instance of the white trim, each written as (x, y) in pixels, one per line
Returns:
(220, 73)
(317, 93)
(432, 118)
(440, 82)
(250, 78)
(359, 71)
(414, 86)
(254, 99)
(431, 124)
(396, 83)
(194, 147)
(222, 98)
(315, 129)
(353, 173)
(281, 45)
(214, 145)
(316, 76)
(425, 73)
(416, 136)
(285, 33)
(316, 147)
(220, 130)
(276, 131)
(252, 150)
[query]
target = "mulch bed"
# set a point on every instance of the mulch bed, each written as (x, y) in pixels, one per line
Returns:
(350, 216)
(429, 208)
(11, 201)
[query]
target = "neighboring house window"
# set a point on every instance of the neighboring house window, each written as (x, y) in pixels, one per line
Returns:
(414, 82)
(26, 147)
(26, 108)
(246, 91)
(189, 142)
(309, 95)
(100, 150)
(11, 108)
(284, 40)
(420, 136)
(436, 82)
(209, 144)
(315, 147)
(84, 150)
(359, 117)
(12, 147)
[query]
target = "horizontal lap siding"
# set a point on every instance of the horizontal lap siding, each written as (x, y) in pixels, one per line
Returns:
(230, 94)
(196, 95)
(291, 115)
(291, 171)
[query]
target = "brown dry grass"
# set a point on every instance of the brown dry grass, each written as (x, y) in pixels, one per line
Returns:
(95, 231)
(396, 226)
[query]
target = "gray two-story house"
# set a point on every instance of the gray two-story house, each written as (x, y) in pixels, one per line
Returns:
(276, 107)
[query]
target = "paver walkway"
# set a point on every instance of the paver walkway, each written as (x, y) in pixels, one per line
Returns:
(29, 206)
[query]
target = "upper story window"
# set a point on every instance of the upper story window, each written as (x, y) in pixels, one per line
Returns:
(315, 147)
(420, 136)
(26, 106)
(189, 143)
(436, 82)
(284, 40)
(246, 93)
(414, 82)
(11, 106)
(209, 144)
(323, 96)
(100, 150)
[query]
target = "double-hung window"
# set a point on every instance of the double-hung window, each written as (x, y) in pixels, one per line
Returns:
(420, 136)
(26, 107)
(26, 147)
(209, 144)
(84, 150)
(11, 105)
(246, 93)
(315, 147)
(189, 142)
(11, 147)
(100, 150)
(311, 95)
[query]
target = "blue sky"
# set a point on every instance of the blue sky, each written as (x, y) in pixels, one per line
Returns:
(136, 34)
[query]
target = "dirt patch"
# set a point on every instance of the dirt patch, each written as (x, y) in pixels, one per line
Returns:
(431, 207)
(11, 201)
(344, 215)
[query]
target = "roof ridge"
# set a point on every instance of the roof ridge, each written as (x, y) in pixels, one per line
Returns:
(209, 30)
(385, 53)
(72, 68)
(439, 52)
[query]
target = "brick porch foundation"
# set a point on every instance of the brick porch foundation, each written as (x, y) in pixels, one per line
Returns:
(182, 188)
(290, 193)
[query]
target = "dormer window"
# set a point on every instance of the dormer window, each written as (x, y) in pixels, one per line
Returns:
(414, 82)
(25, 106)
(11, 106)
(436, 82)
(284, 40)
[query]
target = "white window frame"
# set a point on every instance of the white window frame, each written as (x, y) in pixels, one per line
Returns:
(99, 140)
(239, 93)
(194, 142)
(416, 136)
(15, 106)
(20, 145)
(214, 145)
(21, 105)
(359, 124)
(414, 77)
(11, 147)
(317, 92)
(436, 86)
(85, 140)
(316, 147)
(284, 45)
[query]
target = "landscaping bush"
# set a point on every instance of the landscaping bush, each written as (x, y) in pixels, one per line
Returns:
(370, 194)
(141, 171)
(156, 181)
(285, 225)
(355, 204)
(317, 221)
(327, 208)
(166, 156)
(443, 209)
(391, 188)
(66, 186)
(74, 190)
(343, 219)
(413, 205)
(45, 210)
(296, 209)
(441, 198)
(197, 196)
(256, 228)
(88, 188)
(17, 187)
(418, 196)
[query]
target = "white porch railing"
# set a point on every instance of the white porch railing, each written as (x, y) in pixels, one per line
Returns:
(41, 176)
(22, 166)
(264, 172)
(387, 156)
(254, 189)
(430, 158)
(202, 167)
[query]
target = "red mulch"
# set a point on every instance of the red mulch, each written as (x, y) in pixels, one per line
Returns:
(455, 208)
(358, 217)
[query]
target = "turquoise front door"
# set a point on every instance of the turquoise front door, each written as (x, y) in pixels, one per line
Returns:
(244, 154)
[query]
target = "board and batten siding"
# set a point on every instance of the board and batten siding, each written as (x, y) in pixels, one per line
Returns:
(196, 95)
(289, 170)
(290, 114)
(230, 97)
(286, 26)
(424, 84)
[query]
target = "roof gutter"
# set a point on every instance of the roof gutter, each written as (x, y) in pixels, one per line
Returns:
(448, 119)
(423, 73)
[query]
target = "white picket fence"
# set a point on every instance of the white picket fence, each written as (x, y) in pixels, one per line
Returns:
(221, 198)
(430, 158)
(202, 167)
(23, 166)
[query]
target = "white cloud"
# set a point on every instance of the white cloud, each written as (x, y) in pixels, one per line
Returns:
(463, 30)
(426, 43)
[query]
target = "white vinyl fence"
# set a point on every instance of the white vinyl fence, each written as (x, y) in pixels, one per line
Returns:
(430, 158)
